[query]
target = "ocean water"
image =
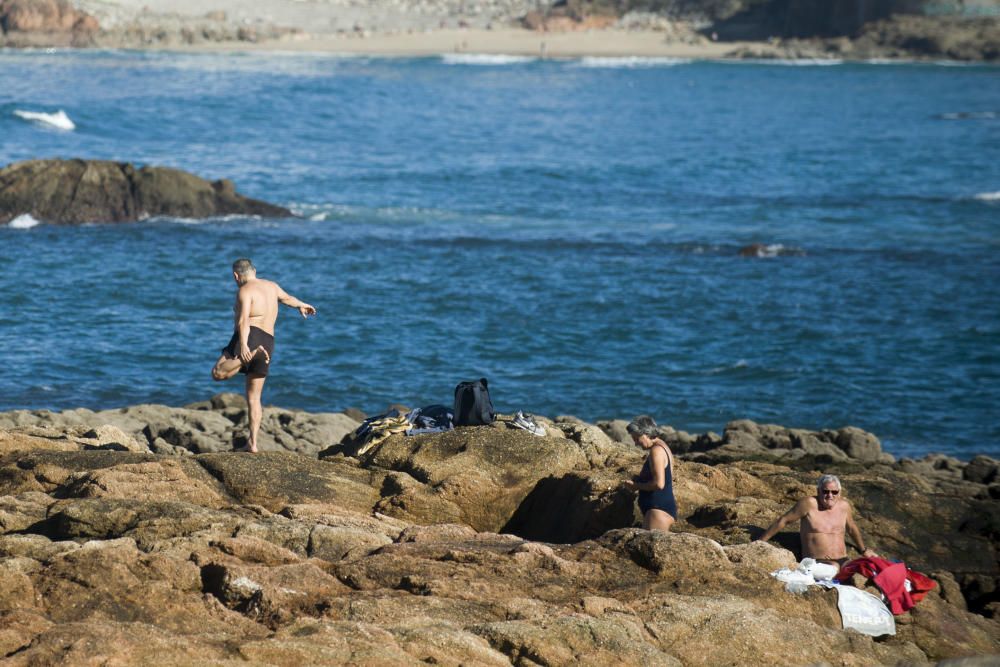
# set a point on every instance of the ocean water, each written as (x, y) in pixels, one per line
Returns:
(568, 229)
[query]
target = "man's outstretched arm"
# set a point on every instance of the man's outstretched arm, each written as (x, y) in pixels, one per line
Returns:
(304, 308)
(800, 509)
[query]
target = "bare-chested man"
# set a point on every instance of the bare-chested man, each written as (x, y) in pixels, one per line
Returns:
(824, 519)
(252, 345)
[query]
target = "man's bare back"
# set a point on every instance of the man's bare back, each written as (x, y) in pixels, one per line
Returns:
(262, 303)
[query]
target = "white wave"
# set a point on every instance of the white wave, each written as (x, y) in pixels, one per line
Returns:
(783, 62)
(765, 250)
(741, 363)
(58, 120)
(954, 63)
(23, 221)
(484, 59)
(771, 250)
(988, 196)
(809, 62)
(630, 62)
(229, 217)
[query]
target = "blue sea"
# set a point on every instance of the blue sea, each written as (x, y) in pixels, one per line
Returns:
(569, 229)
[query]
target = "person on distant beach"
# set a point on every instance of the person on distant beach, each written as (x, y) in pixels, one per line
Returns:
(824, 519)
(655, 482)
(250, 349)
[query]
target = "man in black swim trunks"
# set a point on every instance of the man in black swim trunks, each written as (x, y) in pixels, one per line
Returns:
(251, 348)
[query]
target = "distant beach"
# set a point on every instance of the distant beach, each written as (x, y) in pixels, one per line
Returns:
(507, 41)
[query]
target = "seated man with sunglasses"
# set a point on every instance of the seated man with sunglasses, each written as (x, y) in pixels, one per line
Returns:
(824, 518)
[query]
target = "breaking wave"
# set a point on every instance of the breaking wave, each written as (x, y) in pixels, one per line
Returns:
(484, 59)
(23, 221)
(630, 62)
(58, 120)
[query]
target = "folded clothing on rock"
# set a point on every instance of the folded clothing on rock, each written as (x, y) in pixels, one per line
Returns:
(859, 610)
(430, 419)
(374, 430)
(902, 588)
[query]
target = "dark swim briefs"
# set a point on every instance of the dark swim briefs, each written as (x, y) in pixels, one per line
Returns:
(258, 337)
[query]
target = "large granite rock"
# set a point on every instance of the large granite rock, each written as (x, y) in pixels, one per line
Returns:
(215, 425)
(77, 191)
(110, 556)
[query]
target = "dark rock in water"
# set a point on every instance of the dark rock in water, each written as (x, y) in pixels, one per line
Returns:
(45, 22)
(78, 191)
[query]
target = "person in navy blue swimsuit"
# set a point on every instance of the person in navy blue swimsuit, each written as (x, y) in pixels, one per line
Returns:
(655, 482)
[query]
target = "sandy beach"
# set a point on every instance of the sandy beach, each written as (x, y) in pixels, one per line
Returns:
(473, 41)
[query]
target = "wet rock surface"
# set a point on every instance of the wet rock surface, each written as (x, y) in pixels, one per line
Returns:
(78, 191)
(483, 545)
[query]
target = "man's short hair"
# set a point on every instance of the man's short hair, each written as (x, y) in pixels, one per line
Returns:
(243, 266)
(642, 425)
(826, 479)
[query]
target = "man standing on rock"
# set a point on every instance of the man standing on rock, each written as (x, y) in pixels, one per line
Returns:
(250, 349)
(824, 519)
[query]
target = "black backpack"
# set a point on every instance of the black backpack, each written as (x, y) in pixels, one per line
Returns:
(472, 404)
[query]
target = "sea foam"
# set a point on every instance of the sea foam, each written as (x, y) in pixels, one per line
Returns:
(484, 59)
(58, 120)
(23, 221)
(630, 62)
(988, 196)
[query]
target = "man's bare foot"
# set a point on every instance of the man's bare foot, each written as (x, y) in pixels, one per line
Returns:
(246, 450)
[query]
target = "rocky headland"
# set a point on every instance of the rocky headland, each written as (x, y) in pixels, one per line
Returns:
(79, 191)
(842, 29)
(134, 536)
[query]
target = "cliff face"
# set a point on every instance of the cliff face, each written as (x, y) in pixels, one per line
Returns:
(762, 20)
(852, 29)
(484, 545)
(45, 22)
(756, 20)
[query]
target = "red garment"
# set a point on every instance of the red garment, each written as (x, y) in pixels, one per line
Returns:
(891, 580)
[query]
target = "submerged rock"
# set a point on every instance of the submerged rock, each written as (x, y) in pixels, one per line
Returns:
(78, 191)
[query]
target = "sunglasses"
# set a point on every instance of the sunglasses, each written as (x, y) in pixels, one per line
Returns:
(827, 492)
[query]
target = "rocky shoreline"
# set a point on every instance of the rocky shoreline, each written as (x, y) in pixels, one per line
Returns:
(737, 29)
(134, 533)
